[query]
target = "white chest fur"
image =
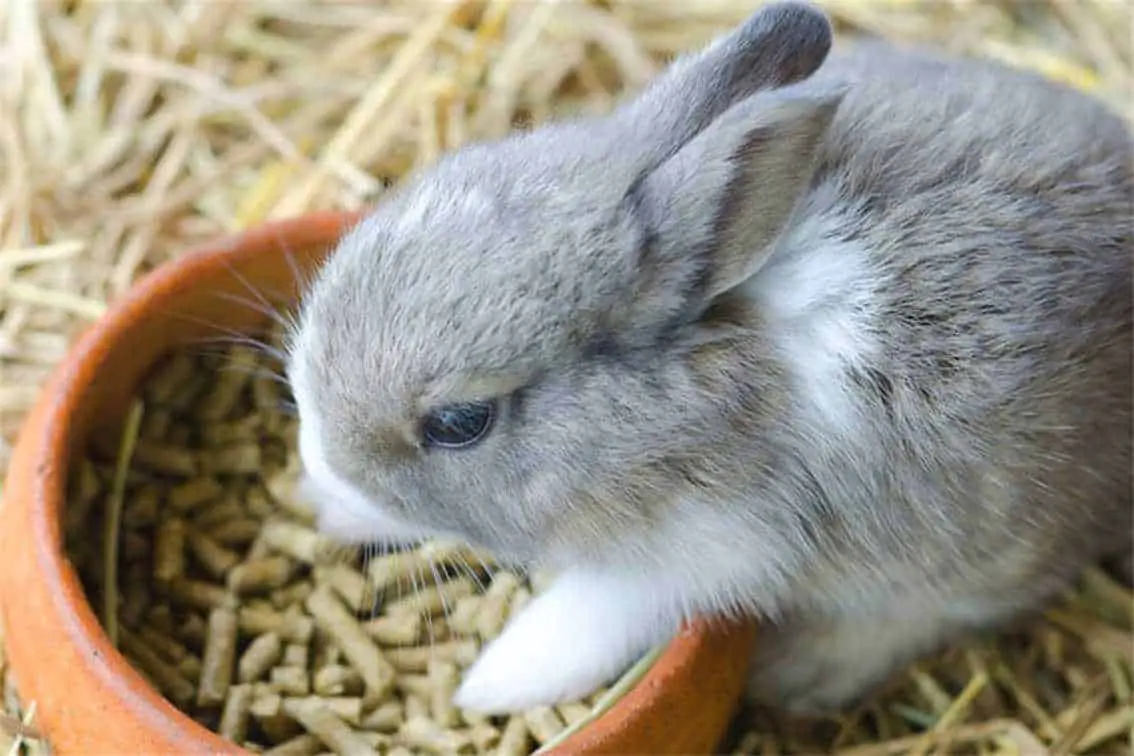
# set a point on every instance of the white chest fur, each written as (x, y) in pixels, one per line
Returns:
(816, 292)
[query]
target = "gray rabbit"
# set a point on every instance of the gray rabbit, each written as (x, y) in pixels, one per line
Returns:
(838, 339)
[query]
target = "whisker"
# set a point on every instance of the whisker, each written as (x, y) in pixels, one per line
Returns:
(488, 569)
(203, 350)
(238, 339)
(255, 292)
(300, 279)
(368, 552)
(445, 612)
(254, 371)
(228, 335)
(267, 310)
(464, 566)
(415, 573)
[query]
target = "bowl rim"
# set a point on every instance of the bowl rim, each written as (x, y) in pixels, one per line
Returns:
(48, 434)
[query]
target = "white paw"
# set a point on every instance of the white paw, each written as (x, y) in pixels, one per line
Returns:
(564, 645)
(827, 668)
(529, 665)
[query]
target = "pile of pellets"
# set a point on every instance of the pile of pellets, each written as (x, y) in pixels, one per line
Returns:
(209, 576)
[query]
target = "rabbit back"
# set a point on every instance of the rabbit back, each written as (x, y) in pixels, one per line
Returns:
(954, 295)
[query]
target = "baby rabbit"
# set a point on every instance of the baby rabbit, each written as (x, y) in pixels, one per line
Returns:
(841, 340)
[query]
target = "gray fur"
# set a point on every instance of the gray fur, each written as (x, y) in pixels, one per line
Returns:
(610, 279)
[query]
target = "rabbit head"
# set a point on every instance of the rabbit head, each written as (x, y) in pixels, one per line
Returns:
(511, 346)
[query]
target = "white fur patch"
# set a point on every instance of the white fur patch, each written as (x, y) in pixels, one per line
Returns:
(342, 511)
(577, 636)
(817, 292)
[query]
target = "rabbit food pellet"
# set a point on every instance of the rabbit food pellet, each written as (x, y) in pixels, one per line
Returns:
(241, 614)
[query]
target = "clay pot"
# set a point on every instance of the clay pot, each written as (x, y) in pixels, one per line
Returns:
(88, 697)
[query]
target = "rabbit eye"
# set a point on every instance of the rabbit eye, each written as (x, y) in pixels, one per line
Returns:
(458, 425)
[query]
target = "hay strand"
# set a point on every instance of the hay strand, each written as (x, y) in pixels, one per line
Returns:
(114, 518)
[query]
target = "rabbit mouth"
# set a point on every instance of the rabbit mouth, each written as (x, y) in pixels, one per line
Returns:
(346, 516)
(343, 512)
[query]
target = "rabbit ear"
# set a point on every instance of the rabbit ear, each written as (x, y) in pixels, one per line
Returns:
(782, 43)
(719, 202)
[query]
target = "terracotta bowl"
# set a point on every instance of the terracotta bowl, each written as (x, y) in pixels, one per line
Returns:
(88, 697)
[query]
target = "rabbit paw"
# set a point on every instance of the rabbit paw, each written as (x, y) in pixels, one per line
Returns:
(822, 669)
(564, 645)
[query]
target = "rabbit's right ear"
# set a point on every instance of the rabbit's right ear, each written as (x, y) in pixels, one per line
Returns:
(713, 210)
(782, 43)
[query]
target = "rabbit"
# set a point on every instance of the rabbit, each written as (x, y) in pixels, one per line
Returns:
(838, 339)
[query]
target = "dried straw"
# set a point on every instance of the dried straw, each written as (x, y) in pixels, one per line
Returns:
(131, 131)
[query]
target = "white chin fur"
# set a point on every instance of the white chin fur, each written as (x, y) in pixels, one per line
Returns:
(348, 517)
(341, 510)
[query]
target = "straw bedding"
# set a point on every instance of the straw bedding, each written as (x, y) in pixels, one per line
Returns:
(130, 131)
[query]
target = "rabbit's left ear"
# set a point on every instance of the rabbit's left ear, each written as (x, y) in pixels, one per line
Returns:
(780, 44)
(728, 192)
